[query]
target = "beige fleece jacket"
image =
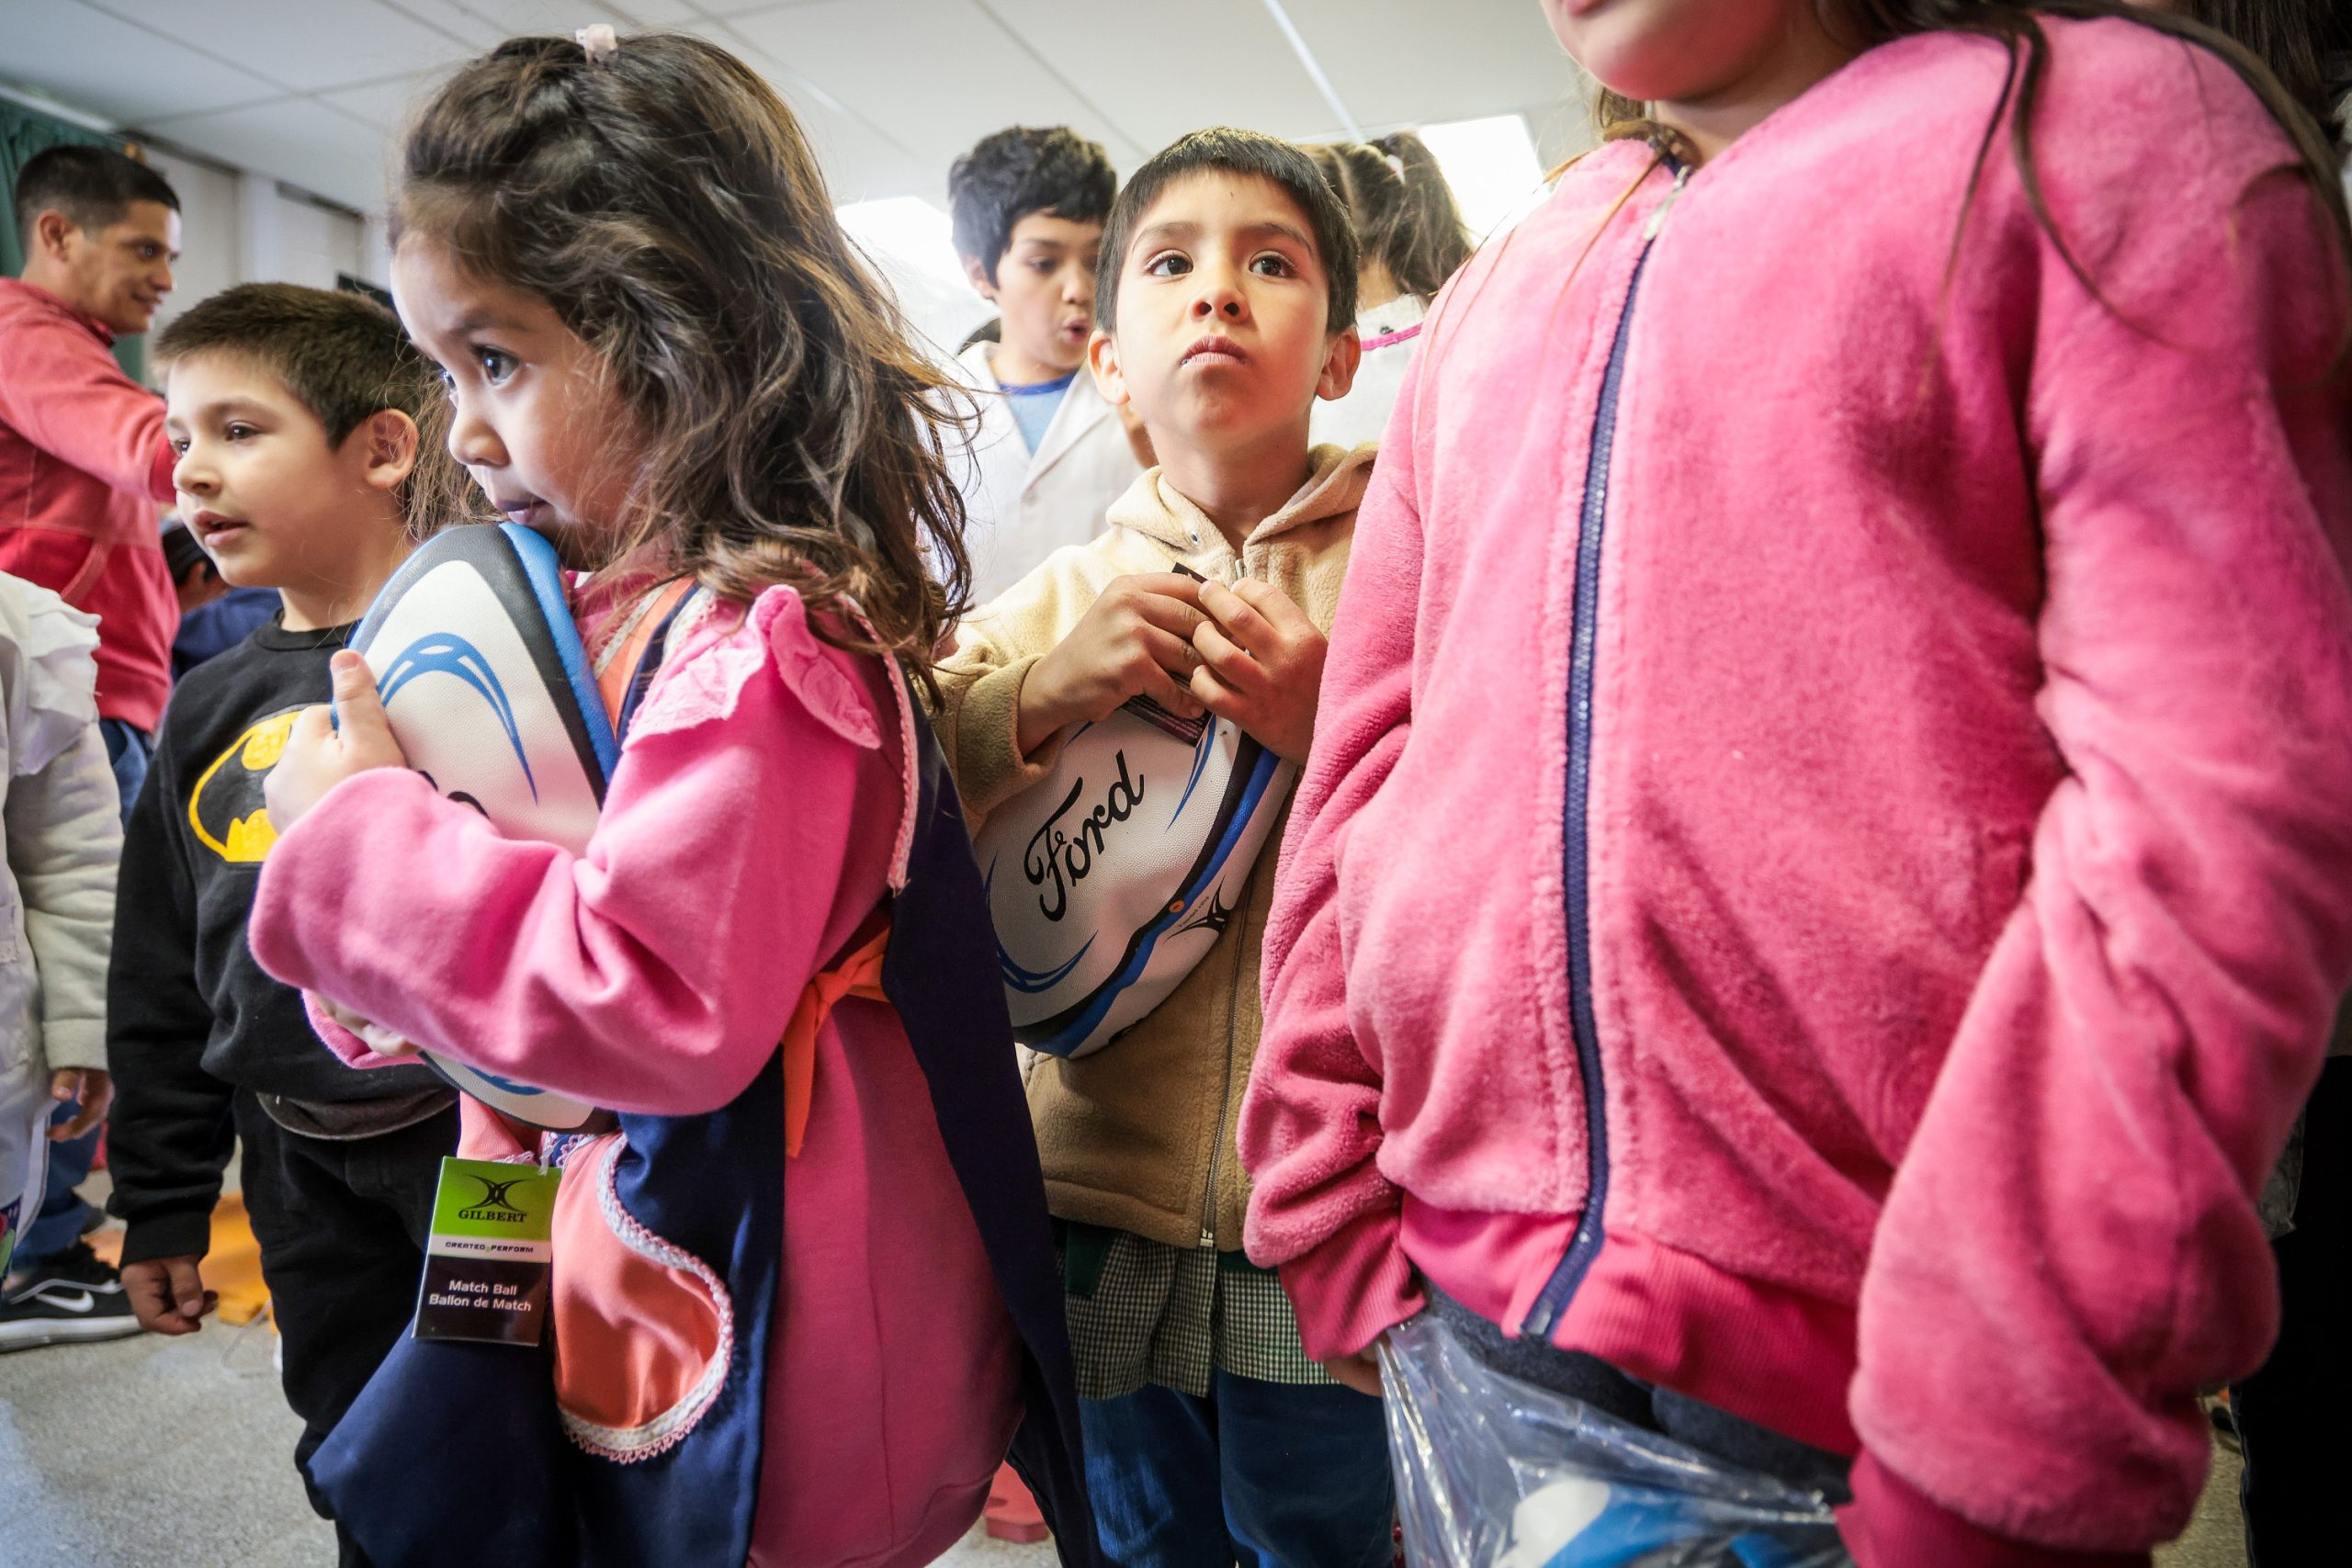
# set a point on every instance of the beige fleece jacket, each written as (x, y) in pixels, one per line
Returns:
(1140, 1135)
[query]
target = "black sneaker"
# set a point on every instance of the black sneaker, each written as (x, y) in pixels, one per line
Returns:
(70, 1297)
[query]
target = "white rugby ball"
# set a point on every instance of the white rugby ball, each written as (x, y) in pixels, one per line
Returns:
(490, 695)
(1111, 878)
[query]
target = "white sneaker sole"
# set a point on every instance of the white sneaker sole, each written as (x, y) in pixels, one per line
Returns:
(32, 1336)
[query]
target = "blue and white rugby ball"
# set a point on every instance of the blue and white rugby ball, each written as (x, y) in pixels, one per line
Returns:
(490, 694)
(1113, 877)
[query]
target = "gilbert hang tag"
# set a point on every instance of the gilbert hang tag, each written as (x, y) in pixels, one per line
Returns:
(488, 1260)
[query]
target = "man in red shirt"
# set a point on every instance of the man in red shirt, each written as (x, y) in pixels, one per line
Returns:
(83, 467)
(83, 460)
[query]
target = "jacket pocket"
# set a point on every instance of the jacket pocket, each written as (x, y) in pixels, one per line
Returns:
(644, 1330)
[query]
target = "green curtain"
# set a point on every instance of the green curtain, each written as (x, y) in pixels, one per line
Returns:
(23, 132)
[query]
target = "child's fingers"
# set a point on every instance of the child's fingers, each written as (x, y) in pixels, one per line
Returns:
(1243, 625)
(95, 1090)
(1166, 611)
(313, 727)
(359, 712)
(1278, 608)
(1165, 671)
(1220, 699)
(187, 1288)
(1169, 652)
(1230, 660)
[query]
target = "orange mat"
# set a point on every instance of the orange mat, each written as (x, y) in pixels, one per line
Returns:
(232, 1266)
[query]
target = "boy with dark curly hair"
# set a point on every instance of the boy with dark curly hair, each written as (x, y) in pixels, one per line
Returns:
(1050, 455)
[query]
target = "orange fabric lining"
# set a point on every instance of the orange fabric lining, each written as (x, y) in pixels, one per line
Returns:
(612, 681)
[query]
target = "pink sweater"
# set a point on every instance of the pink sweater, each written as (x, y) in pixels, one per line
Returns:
(1947, 698)
(753, 821)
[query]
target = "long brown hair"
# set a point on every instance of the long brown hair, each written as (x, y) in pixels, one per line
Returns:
(665, 203)
(2282, 49)
(1406, 215)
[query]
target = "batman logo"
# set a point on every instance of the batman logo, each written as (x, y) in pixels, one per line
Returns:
(226, 808)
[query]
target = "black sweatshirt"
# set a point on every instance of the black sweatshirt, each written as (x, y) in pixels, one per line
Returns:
(191, 1019)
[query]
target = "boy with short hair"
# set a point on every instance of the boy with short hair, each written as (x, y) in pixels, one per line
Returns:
(1050, 455)
(1226, 309)
(300, 418)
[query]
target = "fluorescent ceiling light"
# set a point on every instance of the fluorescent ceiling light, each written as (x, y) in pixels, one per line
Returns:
(1492, 167)
(906, 235)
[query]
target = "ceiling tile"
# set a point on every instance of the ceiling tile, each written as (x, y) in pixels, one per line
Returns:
(385, 105)
(507, 19)
(300, 43)
(1392, 67)
(108, 67)
(450, 16)
(300, 142)
(933, 75)
(1160, 73)
(649, 14)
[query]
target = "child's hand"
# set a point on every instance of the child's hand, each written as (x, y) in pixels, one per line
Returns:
(1359, 1371)
(1135, 640)
(167, 1294)
(374, 1035)
(92, 1087)
(1262, 665)
(319, 756)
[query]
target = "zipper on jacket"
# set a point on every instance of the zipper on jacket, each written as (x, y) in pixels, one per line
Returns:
(1585, 1245)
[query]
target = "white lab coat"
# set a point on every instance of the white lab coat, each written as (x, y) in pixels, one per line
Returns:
(64, 834)
(1024, 507)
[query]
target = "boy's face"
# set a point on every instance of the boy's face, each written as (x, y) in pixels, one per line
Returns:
(273, 503)
(1045, 287)
(1222, 338)
(532, 416)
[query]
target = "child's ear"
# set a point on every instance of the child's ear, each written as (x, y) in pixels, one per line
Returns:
(977, 271)
(1102, 359)
(1339, 361)
(391, 450)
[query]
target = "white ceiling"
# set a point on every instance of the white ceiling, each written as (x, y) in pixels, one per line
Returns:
(314, 91)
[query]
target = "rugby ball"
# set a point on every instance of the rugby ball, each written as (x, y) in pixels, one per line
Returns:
(1109, 880)
(490, 694)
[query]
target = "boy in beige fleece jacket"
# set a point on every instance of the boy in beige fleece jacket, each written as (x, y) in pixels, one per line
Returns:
(1223, 305)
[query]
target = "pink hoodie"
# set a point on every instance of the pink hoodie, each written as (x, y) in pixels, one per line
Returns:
(754, 821)
(1838, 783)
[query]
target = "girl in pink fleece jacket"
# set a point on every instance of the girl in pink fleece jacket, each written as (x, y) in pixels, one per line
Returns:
(1827, 856)
(805, 1297)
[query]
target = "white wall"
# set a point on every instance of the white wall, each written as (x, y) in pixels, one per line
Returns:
(207, 262)
(225, 241)
(317, 243)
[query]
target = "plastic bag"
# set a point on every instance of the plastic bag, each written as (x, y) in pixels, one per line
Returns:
(1494, 1472)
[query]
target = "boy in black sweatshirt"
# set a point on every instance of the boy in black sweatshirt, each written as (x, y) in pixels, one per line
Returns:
(302, 418)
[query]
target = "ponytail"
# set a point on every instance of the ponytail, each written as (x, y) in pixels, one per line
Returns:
(1405, 213)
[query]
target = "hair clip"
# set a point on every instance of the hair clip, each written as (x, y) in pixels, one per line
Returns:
(1395, 165)
(597, 42)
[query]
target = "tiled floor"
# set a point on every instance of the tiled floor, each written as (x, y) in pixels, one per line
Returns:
(177, 1453)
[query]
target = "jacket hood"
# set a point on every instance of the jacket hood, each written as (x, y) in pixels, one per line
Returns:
(1334, 486)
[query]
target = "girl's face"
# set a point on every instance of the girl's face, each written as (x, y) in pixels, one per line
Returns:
(533, 415)
(1675, 50)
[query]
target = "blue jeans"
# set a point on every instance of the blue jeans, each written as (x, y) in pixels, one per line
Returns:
(1265, 1474)
(129, 750)
(63, 1216)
